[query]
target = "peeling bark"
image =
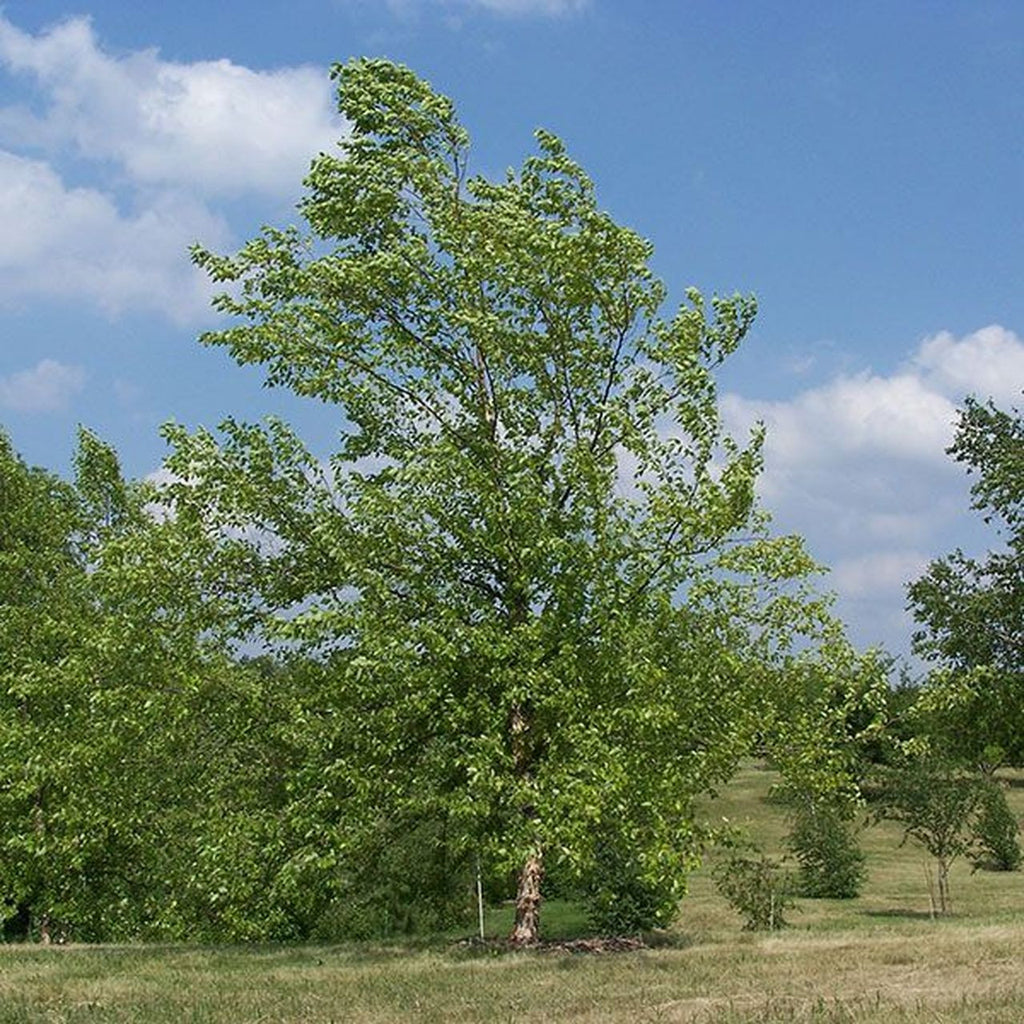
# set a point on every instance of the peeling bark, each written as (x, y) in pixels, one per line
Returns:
(526, 930)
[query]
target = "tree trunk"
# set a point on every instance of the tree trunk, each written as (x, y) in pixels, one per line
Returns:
(945, 906)
(39, 813)
(526, 930)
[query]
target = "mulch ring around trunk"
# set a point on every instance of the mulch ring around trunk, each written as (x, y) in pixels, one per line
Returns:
(598, 944)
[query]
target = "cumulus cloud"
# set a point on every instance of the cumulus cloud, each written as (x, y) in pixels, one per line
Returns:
(75, 242)
(213, 127)
(988, 363)
(900, 415)
(48, 387)
(858, 466)
(161, 143)
(890, 422)
(863, 575)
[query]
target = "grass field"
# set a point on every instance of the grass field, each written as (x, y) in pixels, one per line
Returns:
(878, 958)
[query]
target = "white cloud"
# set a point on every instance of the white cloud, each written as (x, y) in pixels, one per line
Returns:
(161, 142)
(75, 242)
(908, 416)
(47, 387)
(898, 415)
(210, 126)
(857, 465)
(988, 363)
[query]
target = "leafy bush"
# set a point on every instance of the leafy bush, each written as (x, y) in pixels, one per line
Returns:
(831, 862)
(620, 897)
(995, 832)
(759, 888)
(403, 878)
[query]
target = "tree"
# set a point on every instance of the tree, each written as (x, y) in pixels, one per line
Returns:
(184, 755)
(69, 697)
(42, 604)
(824, 715)
(125, 734)
(757, 886)
(936, 804)
(535, 541)
(971, 613)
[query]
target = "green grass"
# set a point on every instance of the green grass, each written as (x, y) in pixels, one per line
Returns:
(897, 884)
(877, 958)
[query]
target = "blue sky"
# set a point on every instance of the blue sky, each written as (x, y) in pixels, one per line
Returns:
(859, 167)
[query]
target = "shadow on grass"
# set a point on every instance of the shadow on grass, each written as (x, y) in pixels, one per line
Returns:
(566, 929)
(594, 945)
(907, 915)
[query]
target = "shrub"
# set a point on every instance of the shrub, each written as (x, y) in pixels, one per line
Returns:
(995, 832)
(621, 899)
(759, 888)
(401, 878)
(831, 862)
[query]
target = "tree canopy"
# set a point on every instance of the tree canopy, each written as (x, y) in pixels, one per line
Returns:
(970, 612)
(135, 797)
(535, 558)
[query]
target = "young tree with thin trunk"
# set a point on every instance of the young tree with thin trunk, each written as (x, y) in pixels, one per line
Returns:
(535, 541)
(935, 802)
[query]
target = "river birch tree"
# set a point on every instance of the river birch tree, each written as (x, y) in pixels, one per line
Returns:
(535, 543)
